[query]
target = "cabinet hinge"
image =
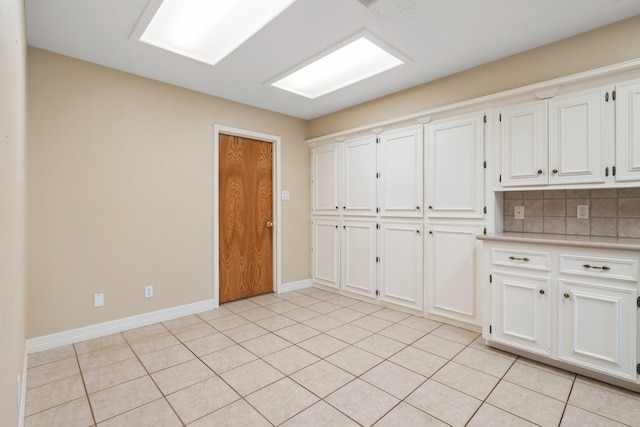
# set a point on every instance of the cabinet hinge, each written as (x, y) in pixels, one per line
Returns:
(377, 292)
(606, 97)
(377, 140)
(490, 278)
(500, 178)
(485, 118)
(606, 171)
(613, 95)
(500, 119)
(484, 164)
(484, 231)
(377, 174)
(490, 329)
(485, 209)
(377, 209)
(638, 302)
(377, 259)
(378, 226)
(638, 368)
(613, 170)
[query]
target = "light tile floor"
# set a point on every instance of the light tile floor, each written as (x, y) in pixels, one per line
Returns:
(308, 358)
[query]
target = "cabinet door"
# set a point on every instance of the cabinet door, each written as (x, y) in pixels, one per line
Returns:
(456, 173)
(400, 166)
(325, 180)
(326, 252)
(520, 311)
(359, 257)
(360, 176)
(401, 280)
(451, 279)
(523, 144)
(598, 327)
(576, 138)
(628, 131)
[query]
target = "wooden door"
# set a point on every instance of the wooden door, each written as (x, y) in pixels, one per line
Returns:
(245, 217)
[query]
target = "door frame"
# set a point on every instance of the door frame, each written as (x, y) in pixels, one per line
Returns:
(276, 203)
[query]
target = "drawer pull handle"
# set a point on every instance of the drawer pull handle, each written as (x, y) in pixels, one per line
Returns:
(512, 258)
(595, 267)
(566, 295)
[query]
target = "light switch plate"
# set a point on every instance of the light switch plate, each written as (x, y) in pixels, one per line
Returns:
(518, 212)
(285, 195)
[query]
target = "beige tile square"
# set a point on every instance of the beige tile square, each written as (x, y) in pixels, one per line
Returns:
(296, 333)
(323, 345)
(240, 305)
(53, 394)
(303, 300)
(228, 322)
(578, 227)
(322, 378)
(301, 314)
(265, 344)
(446, 404)
(291, 359)
(201, 399)
(52, 372)
(532, 208)
(484, 362)
(114, 374)
(420, 323)
(554, 225)
(576, 417)
(346, 315)
(604, 193)
(513, 195)
(123, 397)
(343, 301)
(276, 322)
(629, 227)
(479, 344)
(555, 194)
(513, 225)
(99, 343)
(324, 295)
(256, 314)
(467, 380)
(323, 307)
(380, 345)
(606, 402)
(238, 414)
(154, 343)
(182, 322)
(323, 323)
(365, 307)
(544, 382)
(510, 204)
(419, 361)
(245, 332)
(74, 413)
(195, 331)
(166, 358)
(266, 299)
(281, 400)
(533, 195)
(453, 333)
(354, 360)
(228, 358)
(248, 378)
(407, 415)
(439, 346)
(608, 388)
(320, 414)
(48, 356)
(394, 379)
(489, 415)
(144, 332)
(402, 333)
(182, 376)
(629, 208)
(217, 313)
(362, 402)
(603, 208)
(288, 295)
(533, 224)
(209, 344)
(371, 323)
(391, 315)
(107, 356)
(156, 413)
(604, 227)
(349, 333)
(527, 404)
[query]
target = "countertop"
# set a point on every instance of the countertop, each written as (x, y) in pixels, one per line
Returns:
(619, 243)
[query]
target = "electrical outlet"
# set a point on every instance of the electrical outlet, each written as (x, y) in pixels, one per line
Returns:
(518, 212)
(98, 300)
(148, 291)
(583, 211)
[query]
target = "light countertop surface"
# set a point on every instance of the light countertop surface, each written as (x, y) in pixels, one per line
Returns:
(619, 243)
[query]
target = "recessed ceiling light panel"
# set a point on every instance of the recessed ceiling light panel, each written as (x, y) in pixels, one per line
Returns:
(209, 30)
(345, 66)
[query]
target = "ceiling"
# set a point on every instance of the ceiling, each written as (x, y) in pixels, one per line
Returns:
(440, 37)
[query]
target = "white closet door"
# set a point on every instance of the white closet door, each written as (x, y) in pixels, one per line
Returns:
(360, 176)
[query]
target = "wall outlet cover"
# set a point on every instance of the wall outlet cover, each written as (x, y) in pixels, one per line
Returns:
(583, 212)
(98, 300)
(148, 291)
(518, 212)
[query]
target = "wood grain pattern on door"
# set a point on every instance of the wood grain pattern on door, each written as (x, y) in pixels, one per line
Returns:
(245, 217)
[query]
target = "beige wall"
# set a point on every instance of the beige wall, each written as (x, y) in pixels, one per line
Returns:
(12, 206)
(121, 185)
(608, 45)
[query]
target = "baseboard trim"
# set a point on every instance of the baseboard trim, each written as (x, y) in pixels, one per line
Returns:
(294, 286)
(48, 342)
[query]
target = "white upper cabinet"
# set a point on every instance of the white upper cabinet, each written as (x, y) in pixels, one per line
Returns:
(326, 179)
(400, 161)
(524, 142)
(577, 137)
(628, 131)
(455, 164)
(359, 171)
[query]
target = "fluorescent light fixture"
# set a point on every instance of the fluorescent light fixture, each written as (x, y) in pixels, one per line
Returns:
(209, 30)
(345, 66)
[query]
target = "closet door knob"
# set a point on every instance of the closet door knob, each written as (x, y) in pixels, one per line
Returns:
(541, 291)
(566, 295)
(539, 171)
(555, 171)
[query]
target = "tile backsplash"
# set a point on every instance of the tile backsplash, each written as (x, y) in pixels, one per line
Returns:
(612, 212)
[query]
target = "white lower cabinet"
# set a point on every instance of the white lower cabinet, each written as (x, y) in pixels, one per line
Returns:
(326, 252)
(359, 257)
(401, 259)
(576, 305)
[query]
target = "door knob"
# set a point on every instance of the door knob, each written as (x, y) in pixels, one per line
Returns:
(269, 224)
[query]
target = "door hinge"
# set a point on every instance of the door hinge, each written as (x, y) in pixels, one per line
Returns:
(484, 231)
(377, 259)
(500, 119)
(378, 226)
(613, 95)
(490, 329)
(377, 174)
(638, 368)
(490, 278)
(613, 170)
(606, 97)
(485, 209)
(485, 118)
(638, 302)
(484, 164)
(377, 140)
(377, 209)
(377, 292)
(500, 178)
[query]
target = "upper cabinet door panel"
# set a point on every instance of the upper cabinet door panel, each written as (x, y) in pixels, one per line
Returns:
(628, 131)
(576, 138)
(456, 174)
(360, 176)
(400, 161)
(524, 142)
(326, 191)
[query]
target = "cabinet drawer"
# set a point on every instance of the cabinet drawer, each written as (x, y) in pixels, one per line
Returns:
(521, 259)
(623, 269)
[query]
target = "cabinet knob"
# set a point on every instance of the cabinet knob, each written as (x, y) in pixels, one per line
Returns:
(555, 171)
(336, 207)
(541, 291)
(566, 295)
(417, 208)
(539, 171)
(344, 207)
(430, 207)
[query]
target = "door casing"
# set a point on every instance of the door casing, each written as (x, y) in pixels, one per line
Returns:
(277, 204)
